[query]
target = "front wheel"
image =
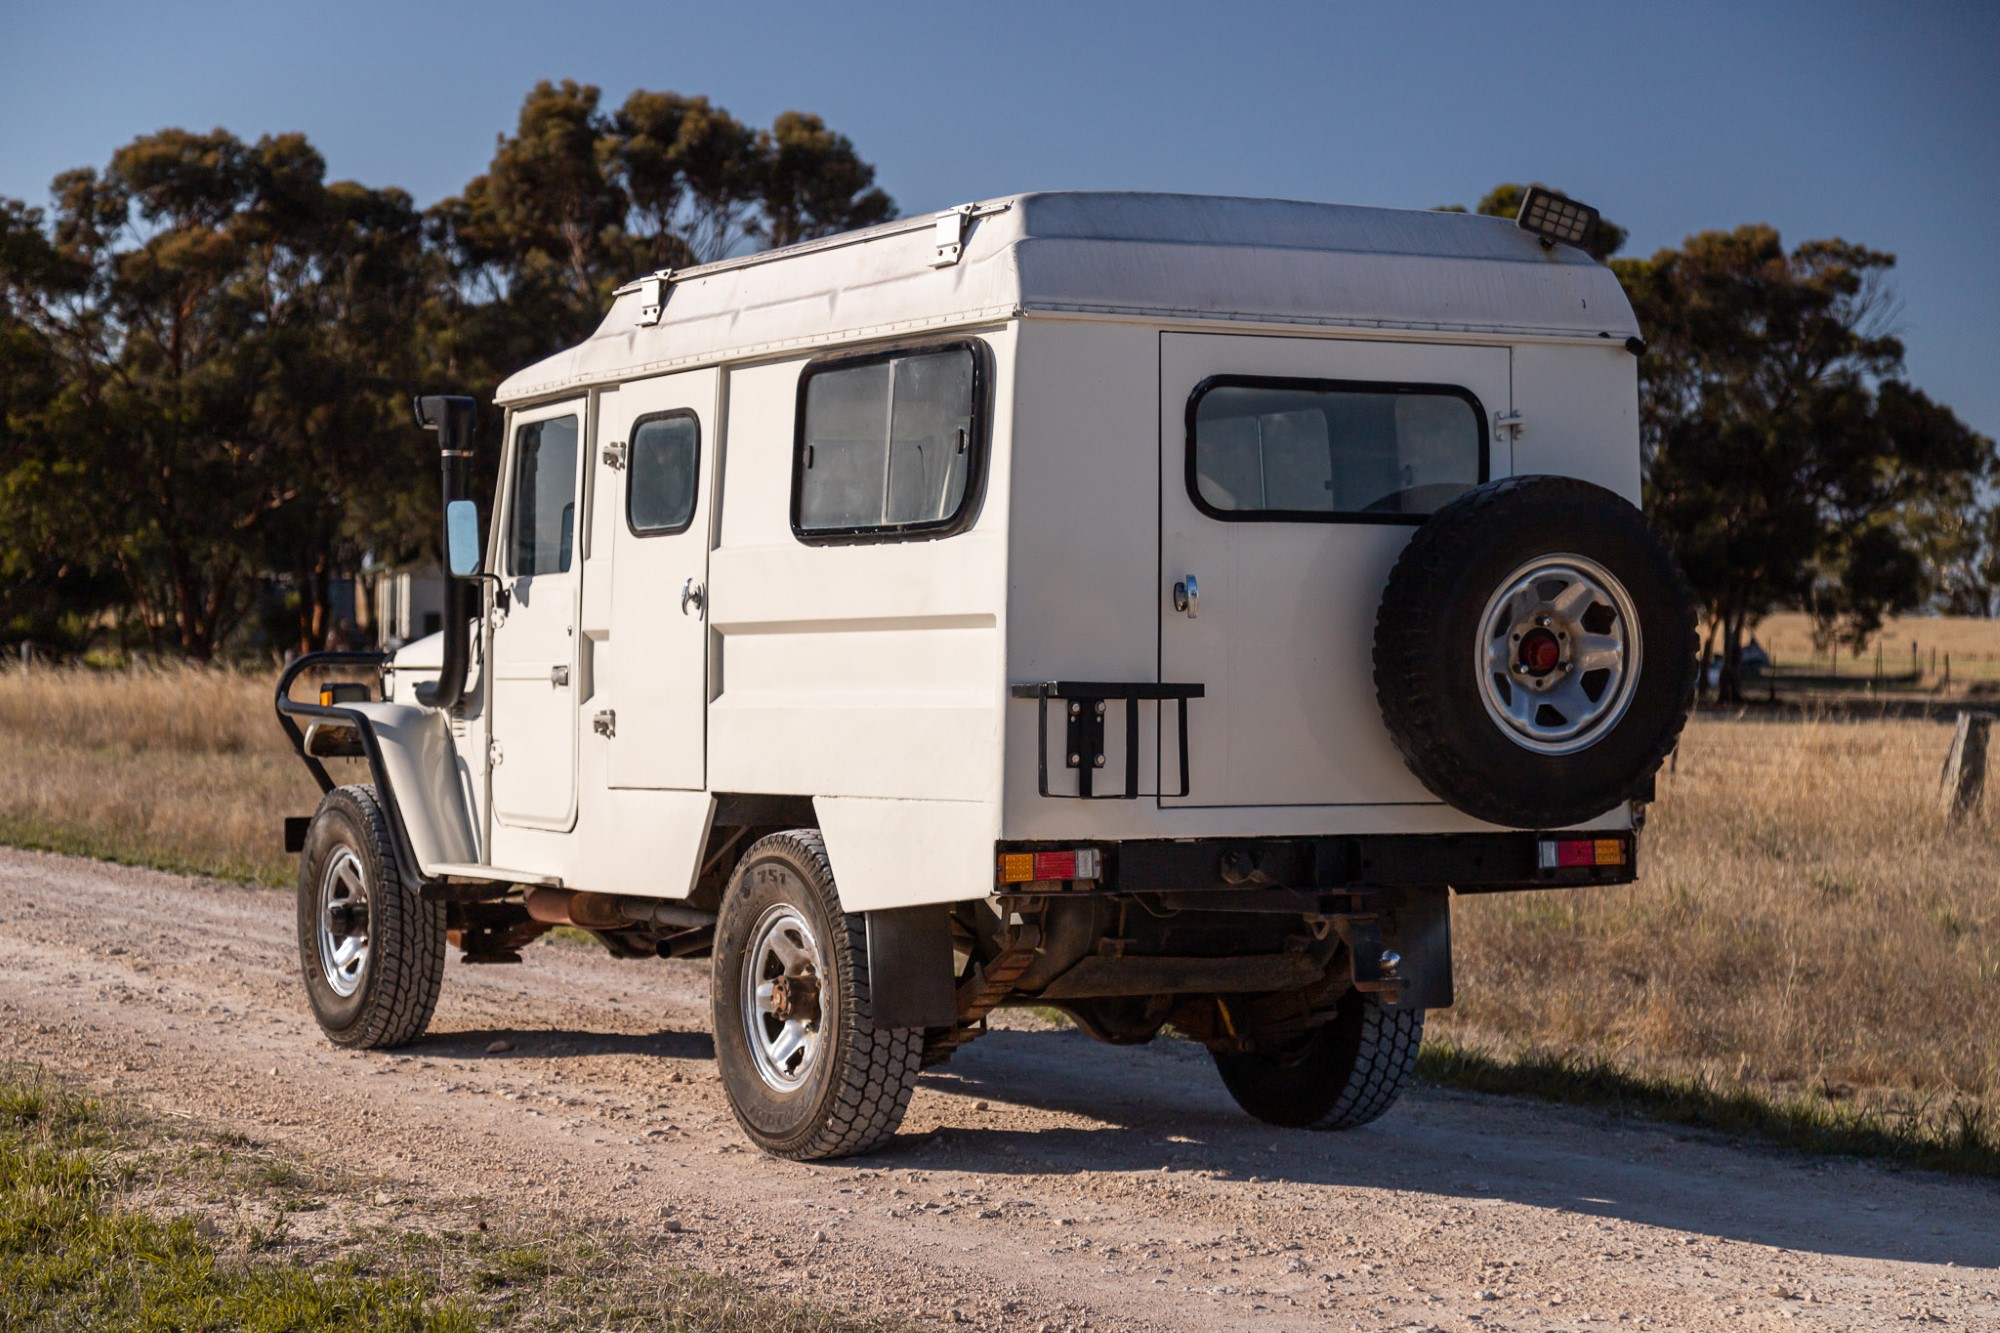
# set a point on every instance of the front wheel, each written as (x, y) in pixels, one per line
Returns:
(1345, 1073)
(808, 1073)
(371, 949)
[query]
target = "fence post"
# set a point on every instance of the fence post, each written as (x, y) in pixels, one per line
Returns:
(1964, 781)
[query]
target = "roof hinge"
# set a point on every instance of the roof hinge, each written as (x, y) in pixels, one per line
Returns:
(949, 237)
(653, 295)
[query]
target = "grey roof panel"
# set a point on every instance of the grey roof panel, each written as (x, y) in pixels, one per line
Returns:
(1175, 257)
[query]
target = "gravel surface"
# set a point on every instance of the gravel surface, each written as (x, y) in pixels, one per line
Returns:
(1041, 1181)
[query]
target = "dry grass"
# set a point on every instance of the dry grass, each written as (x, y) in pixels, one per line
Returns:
(183, 768)
(1805, 926)
(1971, 645)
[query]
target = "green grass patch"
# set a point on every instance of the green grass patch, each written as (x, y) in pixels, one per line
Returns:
(102, 844)
(1941, 1134)
(77, 1251)
(70, 1259)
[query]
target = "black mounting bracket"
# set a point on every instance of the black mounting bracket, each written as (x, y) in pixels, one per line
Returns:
(1083, 737)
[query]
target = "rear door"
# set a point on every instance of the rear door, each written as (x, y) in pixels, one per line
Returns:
(656, 682)
(1293, 471)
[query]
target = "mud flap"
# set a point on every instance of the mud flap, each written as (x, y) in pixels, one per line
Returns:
(909, 967)
(1416, 923)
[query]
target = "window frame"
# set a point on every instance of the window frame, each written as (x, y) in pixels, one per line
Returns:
(967, 511)
(631, 457)
(537, 415)
(1315, 385)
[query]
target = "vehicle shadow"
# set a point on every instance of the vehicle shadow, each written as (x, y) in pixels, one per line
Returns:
(1162, 1108)
(562, 1043)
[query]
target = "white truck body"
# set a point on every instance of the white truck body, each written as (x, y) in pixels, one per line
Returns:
(873, 677)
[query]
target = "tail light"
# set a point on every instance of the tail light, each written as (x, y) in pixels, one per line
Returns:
(1026, 867)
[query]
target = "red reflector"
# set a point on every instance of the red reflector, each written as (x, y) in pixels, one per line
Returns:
(1055, 865)
(1580, 853)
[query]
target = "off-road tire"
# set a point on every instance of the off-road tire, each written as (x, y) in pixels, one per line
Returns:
(1430, 693)
(406, 935)
(1345, 1073)
(854, 1098)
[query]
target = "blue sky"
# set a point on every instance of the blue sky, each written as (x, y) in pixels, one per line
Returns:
(1877, 123)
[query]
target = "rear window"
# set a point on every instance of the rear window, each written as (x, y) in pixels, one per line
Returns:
(889, 443)
(661, 473)
(1323, 450)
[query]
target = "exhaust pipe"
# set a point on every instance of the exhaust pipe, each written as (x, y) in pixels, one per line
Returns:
(610, 911)
(452, 417)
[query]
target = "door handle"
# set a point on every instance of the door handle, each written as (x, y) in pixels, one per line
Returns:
(691, 595)
(1187, 597)
(559, 675)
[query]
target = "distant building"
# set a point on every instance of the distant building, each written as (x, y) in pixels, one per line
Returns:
(408, 604)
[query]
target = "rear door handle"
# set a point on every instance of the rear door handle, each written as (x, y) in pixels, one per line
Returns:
(559, 675)
(1187, 597)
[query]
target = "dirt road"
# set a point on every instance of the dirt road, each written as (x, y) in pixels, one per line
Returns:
(1040, 1181)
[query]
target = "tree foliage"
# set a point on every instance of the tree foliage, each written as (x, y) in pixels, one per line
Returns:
(207, 348)
(1785, 459)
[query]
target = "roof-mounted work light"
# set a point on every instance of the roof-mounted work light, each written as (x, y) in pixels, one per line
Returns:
(1554, 218)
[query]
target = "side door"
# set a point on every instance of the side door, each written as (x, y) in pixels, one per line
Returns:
(660, 435)
(1293, 471)
(535, 639)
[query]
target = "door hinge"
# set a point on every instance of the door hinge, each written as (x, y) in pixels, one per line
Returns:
(1508, 425)
(605, 723)
(494, 754)
(653, 295)
(614, 454)
(949, 238)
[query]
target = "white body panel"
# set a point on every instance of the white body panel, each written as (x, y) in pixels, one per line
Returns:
(873, 677)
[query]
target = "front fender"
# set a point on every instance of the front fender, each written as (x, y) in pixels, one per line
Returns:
(430, 781)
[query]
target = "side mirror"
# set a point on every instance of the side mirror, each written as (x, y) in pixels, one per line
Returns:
(463, 554)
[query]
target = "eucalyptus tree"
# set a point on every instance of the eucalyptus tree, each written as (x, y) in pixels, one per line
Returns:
(226, 329)
(1786, 460)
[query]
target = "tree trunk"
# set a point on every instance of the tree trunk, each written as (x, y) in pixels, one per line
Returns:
(315, 604)
(1729, 683)
(1707, 653)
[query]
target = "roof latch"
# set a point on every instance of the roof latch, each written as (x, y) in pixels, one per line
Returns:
(949, 238)
(653, 295)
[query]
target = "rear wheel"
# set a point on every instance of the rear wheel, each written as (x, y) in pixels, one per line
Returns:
(1345, 1073)
(372, 951)
(808, 1073)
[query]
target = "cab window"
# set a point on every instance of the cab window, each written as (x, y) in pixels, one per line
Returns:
(543, 527)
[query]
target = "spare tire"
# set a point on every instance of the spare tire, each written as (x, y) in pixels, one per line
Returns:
(1535, 652)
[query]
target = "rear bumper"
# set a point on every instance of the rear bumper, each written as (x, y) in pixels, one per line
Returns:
(1467, 862)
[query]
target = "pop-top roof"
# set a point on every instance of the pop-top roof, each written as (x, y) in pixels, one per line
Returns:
(1176, 258)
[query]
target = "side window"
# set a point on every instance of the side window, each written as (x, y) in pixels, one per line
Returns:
(1320, 450)
(542, 536)
(888, 444)
(662, 472)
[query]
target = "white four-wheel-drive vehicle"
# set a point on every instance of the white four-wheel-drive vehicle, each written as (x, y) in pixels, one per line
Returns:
(1153, 607)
